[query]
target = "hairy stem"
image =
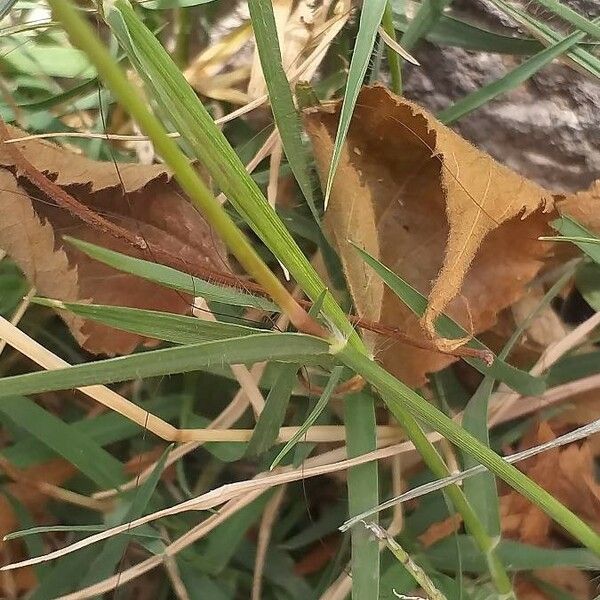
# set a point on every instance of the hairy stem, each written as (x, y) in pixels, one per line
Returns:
(83, 37)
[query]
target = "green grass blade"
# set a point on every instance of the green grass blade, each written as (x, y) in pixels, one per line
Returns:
(103, 429)
(515, 555)
(398, 397)
(168, 277)
(34, 544)
(587, 280)
(511, 80)
(109, 557)
(160, 325)
(24, 533)
(579, 54)
(452, 31)
(363, 493)
(481, 491)
(64, 576)
(424, 21)
(449, 31)
(515, 378)
(569, 228)
(224, 541)
(394, 62)
(66, 441)
(271, 419)
(280, 94)
(312, 418)
(175, 96)
(285, 347)
(571, 16)
(370, 19)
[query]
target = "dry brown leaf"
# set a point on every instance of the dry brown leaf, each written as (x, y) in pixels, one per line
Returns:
(431, 207)
(31, 226)
(583, 206)
(70, 169)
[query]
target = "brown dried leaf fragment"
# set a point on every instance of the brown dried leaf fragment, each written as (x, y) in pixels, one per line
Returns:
(584, 206)
(433, 208)
(568, 473)
(67, 168)
(32, 226)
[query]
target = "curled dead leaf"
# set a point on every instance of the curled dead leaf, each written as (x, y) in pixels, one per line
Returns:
(152, 207)
(433, 208)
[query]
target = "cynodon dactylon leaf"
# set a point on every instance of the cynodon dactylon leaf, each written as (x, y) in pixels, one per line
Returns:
(446, 217)
(32, 226)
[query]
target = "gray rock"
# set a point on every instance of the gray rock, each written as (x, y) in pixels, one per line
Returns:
(547, 129)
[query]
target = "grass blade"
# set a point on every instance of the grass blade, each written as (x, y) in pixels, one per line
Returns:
(24, 533)
(273, 414)
(183, 107)
(172, 278)
(66, 441)
(398, 397)
(450, 31)
(578, 54)
(370, 19)
(426, 18)
(569, 228)
(33, 544)
(103, 429)
(571, 16)
(169, 327)
(515, 378)
(280, 94)
(481, 491)
(394, 62)
(510, 81)
(312, 418)
(64, 576)
(405, 559)
(587, 280)
(515, 555)
(109, 557)
(363, 493)
(255, 348)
